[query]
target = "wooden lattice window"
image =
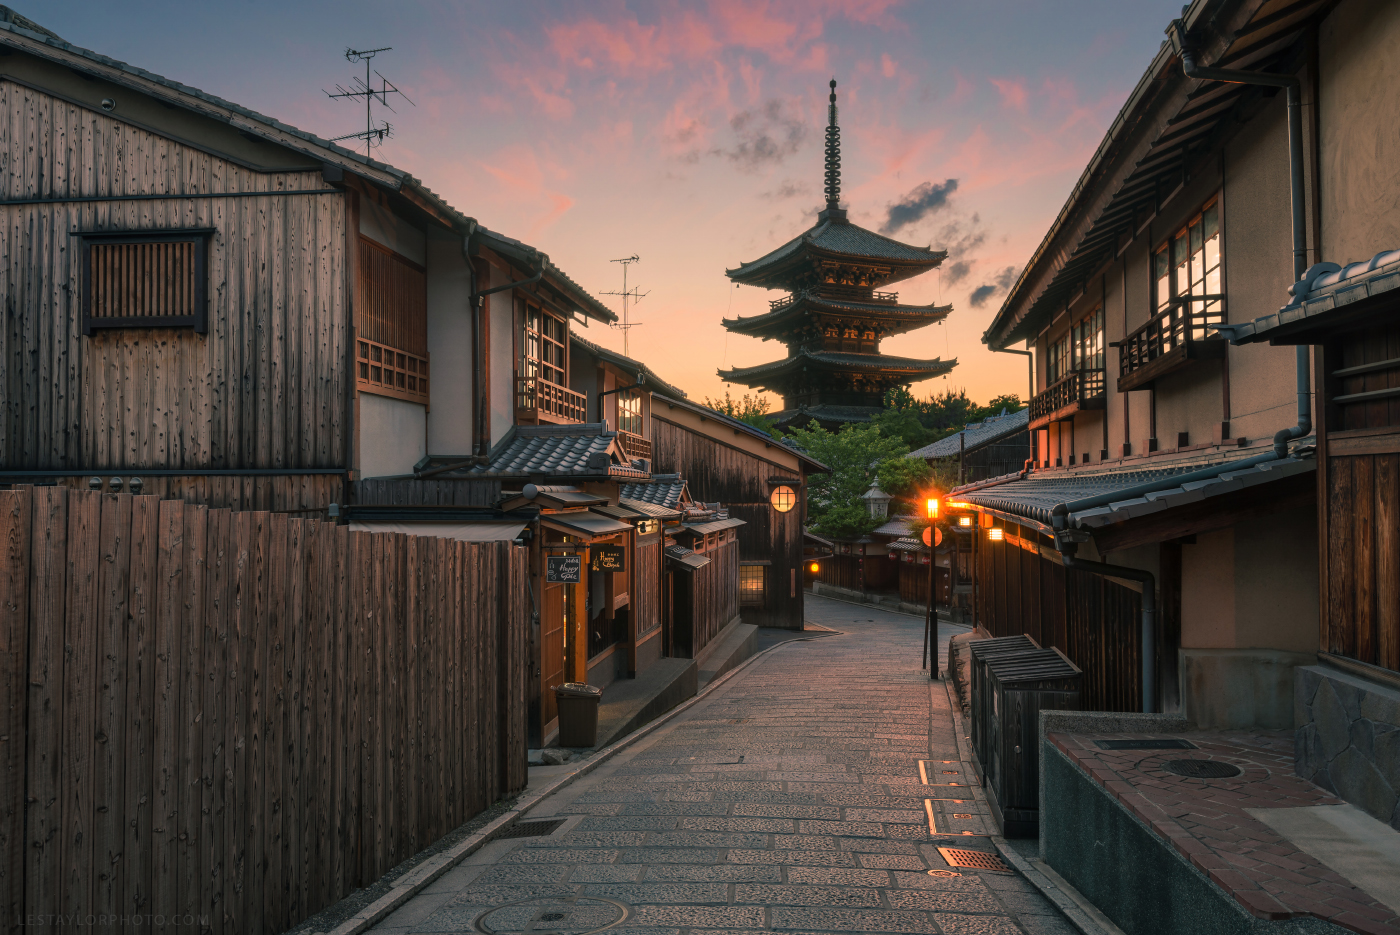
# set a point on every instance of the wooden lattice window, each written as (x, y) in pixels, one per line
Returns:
(382, 370)
(145, 279)
(545, 353)
(629, 411)
(391, 324)
(751, 583)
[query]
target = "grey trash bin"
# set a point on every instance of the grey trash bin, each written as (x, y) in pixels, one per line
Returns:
(578, 714)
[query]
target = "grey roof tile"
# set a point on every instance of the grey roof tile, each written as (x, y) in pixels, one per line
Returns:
(842, 237)
(836, 360)
(1325, 287)
(559, 450)
(975, 436)
(664, 490)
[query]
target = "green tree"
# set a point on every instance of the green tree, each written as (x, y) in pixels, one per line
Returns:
(752, 410)
(854, 454)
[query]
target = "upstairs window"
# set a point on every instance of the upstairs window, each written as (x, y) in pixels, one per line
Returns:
(391, 324)
(1087, 350)
(544, 352)
(1186, 274)
(629, 411)
(145, 279)
(1058, 361)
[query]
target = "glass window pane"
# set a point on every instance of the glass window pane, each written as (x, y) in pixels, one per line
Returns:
(1210, 221)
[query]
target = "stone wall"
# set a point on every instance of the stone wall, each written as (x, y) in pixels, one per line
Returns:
(1348, 739)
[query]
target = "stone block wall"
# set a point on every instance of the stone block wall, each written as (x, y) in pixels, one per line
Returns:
(1348, 739)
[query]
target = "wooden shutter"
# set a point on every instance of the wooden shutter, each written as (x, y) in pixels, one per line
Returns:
(144, 279)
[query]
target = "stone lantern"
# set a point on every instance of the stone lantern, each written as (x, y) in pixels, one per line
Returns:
(877, 501)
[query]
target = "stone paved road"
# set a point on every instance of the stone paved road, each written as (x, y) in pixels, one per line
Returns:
(788, 800)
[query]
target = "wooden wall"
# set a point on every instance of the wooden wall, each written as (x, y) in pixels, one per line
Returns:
(708, 599)
(646, 594)
(240, 717)
(263, 389)
(279, 493)
(428, 492)
(717, 472)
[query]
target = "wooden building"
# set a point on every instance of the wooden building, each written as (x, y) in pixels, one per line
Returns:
(833, 319)
(995, 446)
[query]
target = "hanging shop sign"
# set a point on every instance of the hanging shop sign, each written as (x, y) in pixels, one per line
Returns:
(608, 558)
(563, 569)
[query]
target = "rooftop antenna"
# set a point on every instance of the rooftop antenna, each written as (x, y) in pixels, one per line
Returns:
(373, 134)
(634, 295)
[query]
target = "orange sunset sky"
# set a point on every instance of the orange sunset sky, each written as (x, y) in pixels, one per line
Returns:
(690, 133)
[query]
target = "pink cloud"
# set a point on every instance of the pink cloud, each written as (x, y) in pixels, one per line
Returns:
(888, 66)
(1012, 91)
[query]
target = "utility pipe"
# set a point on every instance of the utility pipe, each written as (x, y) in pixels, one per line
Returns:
(1176, 32)
(1149, 616)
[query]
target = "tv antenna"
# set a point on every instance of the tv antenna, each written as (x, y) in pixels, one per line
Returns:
(373, 134)
(634, 295)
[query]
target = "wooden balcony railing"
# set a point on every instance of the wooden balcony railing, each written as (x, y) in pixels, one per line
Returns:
(543, 401)
(1171, 340)
(385, 371)
(634, 446)
(1081, 390)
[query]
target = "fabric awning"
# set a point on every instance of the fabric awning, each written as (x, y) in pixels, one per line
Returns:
(462, 531)
(687, 559)
(583, 523)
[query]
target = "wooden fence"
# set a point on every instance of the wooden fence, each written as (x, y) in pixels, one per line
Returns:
(228, 721)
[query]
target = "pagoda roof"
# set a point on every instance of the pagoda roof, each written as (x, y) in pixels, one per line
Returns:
(903, 317)
(834, 238)
(838, 362)
(824, 412)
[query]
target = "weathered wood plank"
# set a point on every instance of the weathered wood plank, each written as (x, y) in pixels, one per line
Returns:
(165, 795)
(300, 534)
(1387, 574)
(190, 670)
(213, 687)
(255, 787)
(16, 553)
(140, 704)
(1363, 528)
(273, 740)
(113, 587)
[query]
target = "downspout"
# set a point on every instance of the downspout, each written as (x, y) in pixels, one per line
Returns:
(1030, 384)
(477, 303)
(1294, 88)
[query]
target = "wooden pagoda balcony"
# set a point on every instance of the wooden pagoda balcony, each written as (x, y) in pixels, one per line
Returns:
(634, 446)
(538, 400)
(1081, 391)
(1171, 340)
(840, 294)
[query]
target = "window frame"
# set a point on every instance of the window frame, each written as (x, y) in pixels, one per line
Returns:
(537, 372)
(745, 574)
(1184, 297)
(199, 236)
(629, 407)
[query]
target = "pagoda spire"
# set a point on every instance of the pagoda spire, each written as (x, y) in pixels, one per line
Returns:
(833, 154)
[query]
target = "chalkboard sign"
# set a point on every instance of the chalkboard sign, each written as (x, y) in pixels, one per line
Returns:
(564, 569)
(608, 558)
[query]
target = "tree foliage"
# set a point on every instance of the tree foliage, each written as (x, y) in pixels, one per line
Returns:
(752, 410)
(855, 455)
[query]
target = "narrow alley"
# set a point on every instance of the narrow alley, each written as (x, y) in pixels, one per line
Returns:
(788, 798)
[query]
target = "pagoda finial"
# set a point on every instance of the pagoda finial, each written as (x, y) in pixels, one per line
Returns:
(833, 154)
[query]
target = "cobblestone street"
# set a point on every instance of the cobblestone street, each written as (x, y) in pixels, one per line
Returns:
(789, 798)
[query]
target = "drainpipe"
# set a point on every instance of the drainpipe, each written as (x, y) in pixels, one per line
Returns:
(477, 303)
(1290, 83)
(1030, 368)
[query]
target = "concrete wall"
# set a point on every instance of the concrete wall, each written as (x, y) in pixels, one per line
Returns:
(1358, 112)
(1348, 739)
(449, 421)
(392, 437)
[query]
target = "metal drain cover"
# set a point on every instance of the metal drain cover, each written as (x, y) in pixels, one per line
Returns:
(973, 860)
(553, 915)
(1202, 769)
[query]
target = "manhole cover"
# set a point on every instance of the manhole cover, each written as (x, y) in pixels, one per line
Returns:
(944, 873)
(1202, 769)
(973, 860)
(553, 915)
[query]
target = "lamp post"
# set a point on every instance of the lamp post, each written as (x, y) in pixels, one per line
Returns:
(930, 630)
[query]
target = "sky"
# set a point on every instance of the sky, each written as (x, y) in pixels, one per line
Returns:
(690, 134)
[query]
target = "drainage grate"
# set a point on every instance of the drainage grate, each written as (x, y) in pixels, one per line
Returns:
(530, 829)
(973, 860)
(1145, 745)
(1202, 769)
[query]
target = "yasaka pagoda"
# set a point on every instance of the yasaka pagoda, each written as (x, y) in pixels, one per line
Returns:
(833, 319)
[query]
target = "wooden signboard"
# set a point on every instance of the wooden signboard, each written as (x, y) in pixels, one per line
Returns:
(608, 558)
(563, 569)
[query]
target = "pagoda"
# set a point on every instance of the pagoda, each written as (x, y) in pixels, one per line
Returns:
(833, 319)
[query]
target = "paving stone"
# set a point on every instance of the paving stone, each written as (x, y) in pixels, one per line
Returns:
(719, 873)
(663, 893)
(868, 829)
(944, 901)
(670, 855)
(793, 856)
(952, 924)
(524, 873)
(876, 846)
(766, 810)
(840, 876)
(561, 855)
(891, 861)
(480, 896)
(689, 838)
(759, 825)
(715, 916)
(603, 873)
(805, 895)
(604, 824)
(850, 920)
(591, 839)
(805, 841)
(968, 882)
(897, 816)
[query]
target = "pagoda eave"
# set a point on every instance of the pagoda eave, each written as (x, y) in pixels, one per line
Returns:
(865, 365)
(894, 318)
(837, 244)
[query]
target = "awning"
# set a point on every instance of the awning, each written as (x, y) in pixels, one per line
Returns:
(687, 559)
(620, 512)
(583, 523)
(650, 509)
(714, 526)
(464, 532)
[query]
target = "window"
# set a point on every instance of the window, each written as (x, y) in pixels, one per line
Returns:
(783, 499)
(1058, 361)
(1087, 349)
(629, 411)
(1186, 275)
(545, 352)
(144, 279)
(391, 324)
(751, 581)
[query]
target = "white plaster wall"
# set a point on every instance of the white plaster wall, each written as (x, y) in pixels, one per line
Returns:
(502, 347)
(383, 226)
(1208, 591)
(392, 436)
(449, 420)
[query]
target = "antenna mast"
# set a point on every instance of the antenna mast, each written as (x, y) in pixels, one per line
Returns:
(364, 88)
(634, 295)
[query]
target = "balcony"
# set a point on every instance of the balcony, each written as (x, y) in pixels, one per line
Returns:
(634, 446)
(1172, 340)
(1080, 391)
(387, 371)
(539, 401)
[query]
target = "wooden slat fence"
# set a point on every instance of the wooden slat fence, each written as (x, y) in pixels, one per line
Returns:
(228, 721)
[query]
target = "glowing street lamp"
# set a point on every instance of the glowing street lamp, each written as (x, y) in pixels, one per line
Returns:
(933, 508)
(995, 534)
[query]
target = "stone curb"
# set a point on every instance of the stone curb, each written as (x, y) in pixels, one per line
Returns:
(426, 873)
(1076, 911)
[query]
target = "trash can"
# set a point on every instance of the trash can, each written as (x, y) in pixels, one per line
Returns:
(979, 651)
(578, 714)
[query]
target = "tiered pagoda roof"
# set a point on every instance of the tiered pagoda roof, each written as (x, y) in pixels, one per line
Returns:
(834, 319)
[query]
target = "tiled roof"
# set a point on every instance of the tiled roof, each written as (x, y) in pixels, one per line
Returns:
(556, 450)
(834, 360)
(1099, 498)
(717, 525)
(1325, 287)
(835, 236)
(664, 490)
(899, 526)
(975, 436)
(911, 316)
(907, 545)
(654, 383)
(802, 414)
(650, 509)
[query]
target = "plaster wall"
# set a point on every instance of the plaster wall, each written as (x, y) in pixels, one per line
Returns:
(1208, 591)
(1358, 112)
(392, 436)
(381, 225)
(501, 390)
(449, 419)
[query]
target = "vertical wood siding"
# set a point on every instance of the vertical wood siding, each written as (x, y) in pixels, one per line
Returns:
(263, 389)
(717, 472)
(240, 717)
(1362, 616)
